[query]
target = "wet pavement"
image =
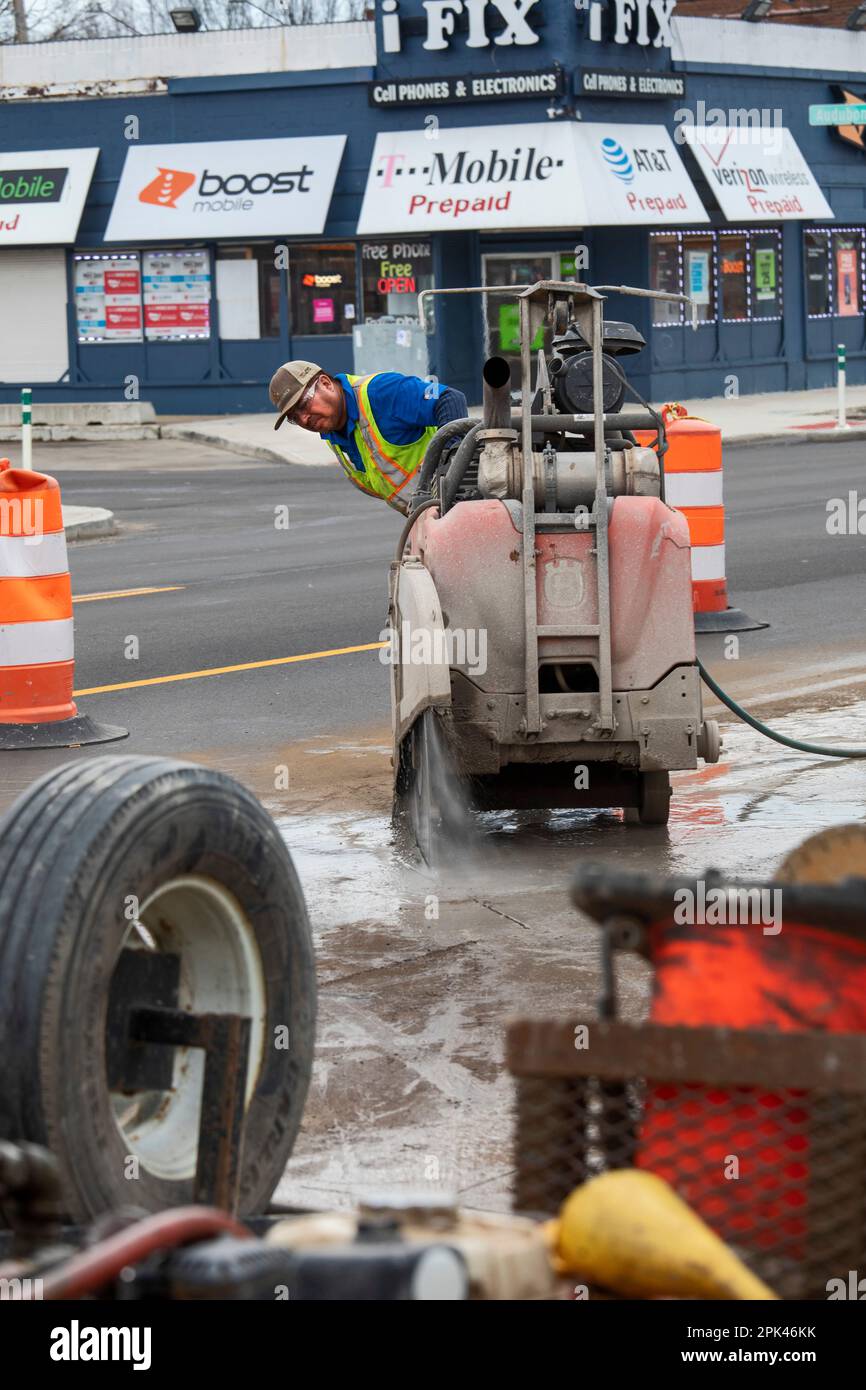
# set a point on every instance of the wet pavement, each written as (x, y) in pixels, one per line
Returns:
(419, 970)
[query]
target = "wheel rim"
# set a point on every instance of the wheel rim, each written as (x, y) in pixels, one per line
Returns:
(198, 920)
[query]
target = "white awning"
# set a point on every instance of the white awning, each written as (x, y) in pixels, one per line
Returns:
(225, 188)
(757, 174)
(554, 174)
(42, 195)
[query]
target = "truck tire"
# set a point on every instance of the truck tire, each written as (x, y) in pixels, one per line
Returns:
(86, 854)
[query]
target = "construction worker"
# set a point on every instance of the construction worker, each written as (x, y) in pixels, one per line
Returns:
(378, 426)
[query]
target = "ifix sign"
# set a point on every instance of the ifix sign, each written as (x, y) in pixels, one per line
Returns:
(483, 22)
(644, 22)
(226, 187)
(529, 175)
(42, 194)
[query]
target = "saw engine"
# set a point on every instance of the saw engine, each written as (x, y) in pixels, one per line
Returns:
(551, 584)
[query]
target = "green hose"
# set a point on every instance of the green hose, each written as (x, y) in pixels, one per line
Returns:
(771, 733)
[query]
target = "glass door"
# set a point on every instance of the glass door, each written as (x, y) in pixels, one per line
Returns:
(501, 316)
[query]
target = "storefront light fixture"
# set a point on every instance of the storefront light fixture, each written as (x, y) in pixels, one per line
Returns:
(187, 21)
(857, 18)
(757, 10)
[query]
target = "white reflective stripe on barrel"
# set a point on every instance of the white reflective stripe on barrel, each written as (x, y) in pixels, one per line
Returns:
(22, 557)
(708, 562)
(693, 489)
(34, 644)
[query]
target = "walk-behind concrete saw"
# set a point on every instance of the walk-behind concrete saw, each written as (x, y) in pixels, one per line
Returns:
(540, 606)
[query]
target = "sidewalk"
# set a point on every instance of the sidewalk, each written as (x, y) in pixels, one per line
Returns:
(798, 416)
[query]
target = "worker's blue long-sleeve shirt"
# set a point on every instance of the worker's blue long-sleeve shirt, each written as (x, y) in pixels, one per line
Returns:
(403, 408)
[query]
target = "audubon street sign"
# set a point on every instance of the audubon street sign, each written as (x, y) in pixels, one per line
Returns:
(840, 113)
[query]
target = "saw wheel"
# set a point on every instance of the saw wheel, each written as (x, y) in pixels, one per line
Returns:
(831, 856)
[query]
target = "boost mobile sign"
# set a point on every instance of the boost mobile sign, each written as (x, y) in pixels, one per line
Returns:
(225, 187)
(533, 175)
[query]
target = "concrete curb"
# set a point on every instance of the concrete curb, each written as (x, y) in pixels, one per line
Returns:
(54, 434)
(88, 523)
(786, 435)
(217, 441)
(795, 436)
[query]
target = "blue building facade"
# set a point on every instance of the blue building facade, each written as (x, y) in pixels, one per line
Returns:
(775, 296)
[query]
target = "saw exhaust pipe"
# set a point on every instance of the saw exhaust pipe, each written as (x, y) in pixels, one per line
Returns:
(496, 381)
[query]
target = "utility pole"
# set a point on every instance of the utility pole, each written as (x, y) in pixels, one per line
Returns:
(18, 10)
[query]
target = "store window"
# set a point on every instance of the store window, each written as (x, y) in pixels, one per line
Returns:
(322, 288)
(502, 312)
(248, 291)
(666, 276)
(734, 276)
(834, 272)
(107, 289)
(393, 275)
(698, 275)
(158, 295)
(765, 257)
(176, 289)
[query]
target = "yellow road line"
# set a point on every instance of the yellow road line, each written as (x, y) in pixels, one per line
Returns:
(227, 670)
(126, 593)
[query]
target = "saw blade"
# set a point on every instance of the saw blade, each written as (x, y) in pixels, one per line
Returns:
(828, 857)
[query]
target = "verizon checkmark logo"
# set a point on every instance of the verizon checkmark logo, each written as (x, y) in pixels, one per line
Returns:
(166, 188)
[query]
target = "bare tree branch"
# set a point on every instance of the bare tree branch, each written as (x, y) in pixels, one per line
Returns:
(23, 21)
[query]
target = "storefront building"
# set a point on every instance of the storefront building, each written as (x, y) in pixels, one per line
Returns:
(174, 238)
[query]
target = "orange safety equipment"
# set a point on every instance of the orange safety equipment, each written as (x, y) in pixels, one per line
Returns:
(36, 643)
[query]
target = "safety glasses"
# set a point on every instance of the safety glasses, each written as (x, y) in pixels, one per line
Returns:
(302, 409)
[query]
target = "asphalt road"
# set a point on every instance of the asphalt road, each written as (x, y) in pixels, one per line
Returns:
(201, 525)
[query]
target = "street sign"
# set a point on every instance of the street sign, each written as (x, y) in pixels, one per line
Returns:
(843, 113)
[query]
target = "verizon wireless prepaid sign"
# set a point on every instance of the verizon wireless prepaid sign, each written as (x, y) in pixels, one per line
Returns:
(225, 187)
(42, 195)
(529, 175)
(757, 174)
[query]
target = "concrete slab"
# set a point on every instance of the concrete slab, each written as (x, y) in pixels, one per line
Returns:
(87, 523)
(81, 413)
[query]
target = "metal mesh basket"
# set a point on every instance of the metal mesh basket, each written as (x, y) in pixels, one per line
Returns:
(763, 1134)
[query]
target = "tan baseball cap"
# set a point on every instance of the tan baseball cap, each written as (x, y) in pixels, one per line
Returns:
(288, 384)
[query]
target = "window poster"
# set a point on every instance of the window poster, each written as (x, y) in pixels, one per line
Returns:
(698, 270)
(765, 273)
(108, 298)
(846, 282)
(177, 292)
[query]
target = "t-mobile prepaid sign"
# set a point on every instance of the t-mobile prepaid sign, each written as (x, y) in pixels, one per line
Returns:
(529, 175)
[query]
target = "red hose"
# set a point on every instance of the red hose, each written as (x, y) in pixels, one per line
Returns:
(93, 1269)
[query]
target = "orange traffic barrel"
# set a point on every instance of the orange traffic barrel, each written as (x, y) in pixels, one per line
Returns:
(693, 485)
(37, 662)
